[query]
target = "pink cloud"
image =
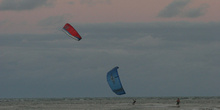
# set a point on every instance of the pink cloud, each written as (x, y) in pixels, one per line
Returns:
(107, 11)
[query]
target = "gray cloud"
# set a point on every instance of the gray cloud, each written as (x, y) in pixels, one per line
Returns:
(93, 2)
(174, 8)
(154, 56)
(3, 22)
(177, 9)
(52, 21)
(196, 12)
(18, 5)
(71, 3)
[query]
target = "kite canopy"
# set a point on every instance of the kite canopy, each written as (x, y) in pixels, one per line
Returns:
(70, 31)
(114, 81)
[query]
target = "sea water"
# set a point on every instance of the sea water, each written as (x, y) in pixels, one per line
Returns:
(125, 103)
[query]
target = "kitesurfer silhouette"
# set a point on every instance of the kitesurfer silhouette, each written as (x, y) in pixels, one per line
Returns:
(134, 101)
(178, 101)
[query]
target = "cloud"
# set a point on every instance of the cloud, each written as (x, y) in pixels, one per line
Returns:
(196, 12)
(147, 41)
(178, 9)
(52, 21)
(158, 53)
(18, 5)
(174, 8)
(93, 2)
(3, 22)
(71, 2)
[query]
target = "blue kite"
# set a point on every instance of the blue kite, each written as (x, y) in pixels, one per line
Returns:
(114, 81)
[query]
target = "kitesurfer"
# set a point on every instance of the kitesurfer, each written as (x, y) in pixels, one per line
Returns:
(134, 101)
(178, 101)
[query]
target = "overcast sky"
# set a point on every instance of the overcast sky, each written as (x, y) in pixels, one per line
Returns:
(169, 48)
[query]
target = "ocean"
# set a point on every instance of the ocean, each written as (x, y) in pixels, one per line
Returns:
(115, 103)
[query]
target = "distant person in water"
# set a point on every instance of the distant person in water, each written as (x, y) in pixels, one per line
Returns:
(134, 101)
(178, 101)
